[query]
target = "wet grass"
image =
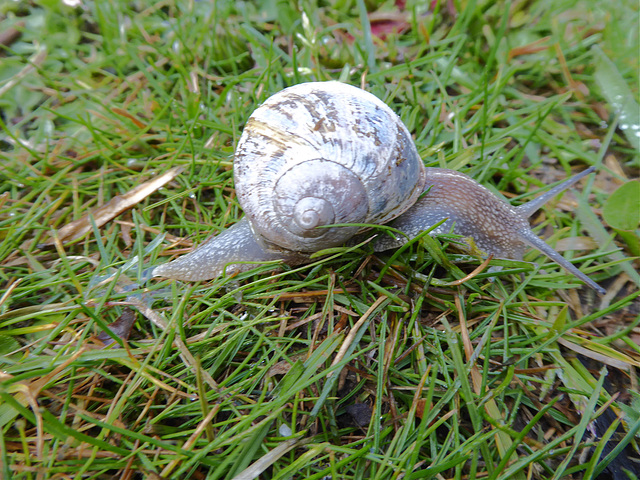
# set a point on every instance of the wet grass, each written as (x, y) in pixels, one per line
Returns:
(359, 365)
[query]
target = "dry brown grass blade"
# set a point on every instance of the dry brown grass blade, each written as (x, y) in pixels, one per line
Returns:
(192, 440)
(503, 441)
(124, 113)
(26, 393)
(475, 272)
(186, 355)
(36, 60)
(114, 207)
(256, 468)
(11, 34)
(599, 357)
(354, 330)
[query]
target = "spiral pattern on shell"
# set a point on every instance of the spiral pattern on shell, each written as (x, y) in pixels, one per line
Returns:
(324, 153)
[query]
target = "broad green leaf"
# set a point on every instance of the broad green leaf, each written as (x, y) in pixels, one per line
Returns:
(622, 209)
(618, 94)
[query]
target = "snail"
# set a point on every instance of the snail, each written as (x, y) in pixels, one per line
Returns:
(326, 153)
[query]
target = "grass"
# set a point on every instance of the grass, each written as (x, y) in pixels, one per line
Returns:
(357, 365)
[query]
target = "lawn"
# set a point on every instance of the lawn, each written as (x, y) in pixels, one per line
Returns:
(119, 120)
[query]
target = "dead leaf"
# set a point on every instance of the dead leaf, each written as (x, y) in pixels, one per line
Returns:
(121, 327)
(283, 366)
(114, 207)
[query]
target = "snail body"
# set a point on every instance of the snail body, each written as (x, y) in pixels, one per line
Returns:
(326, 153)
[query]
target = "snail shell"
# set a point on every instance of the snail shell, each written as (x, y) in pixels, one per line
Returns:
(321, 154)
